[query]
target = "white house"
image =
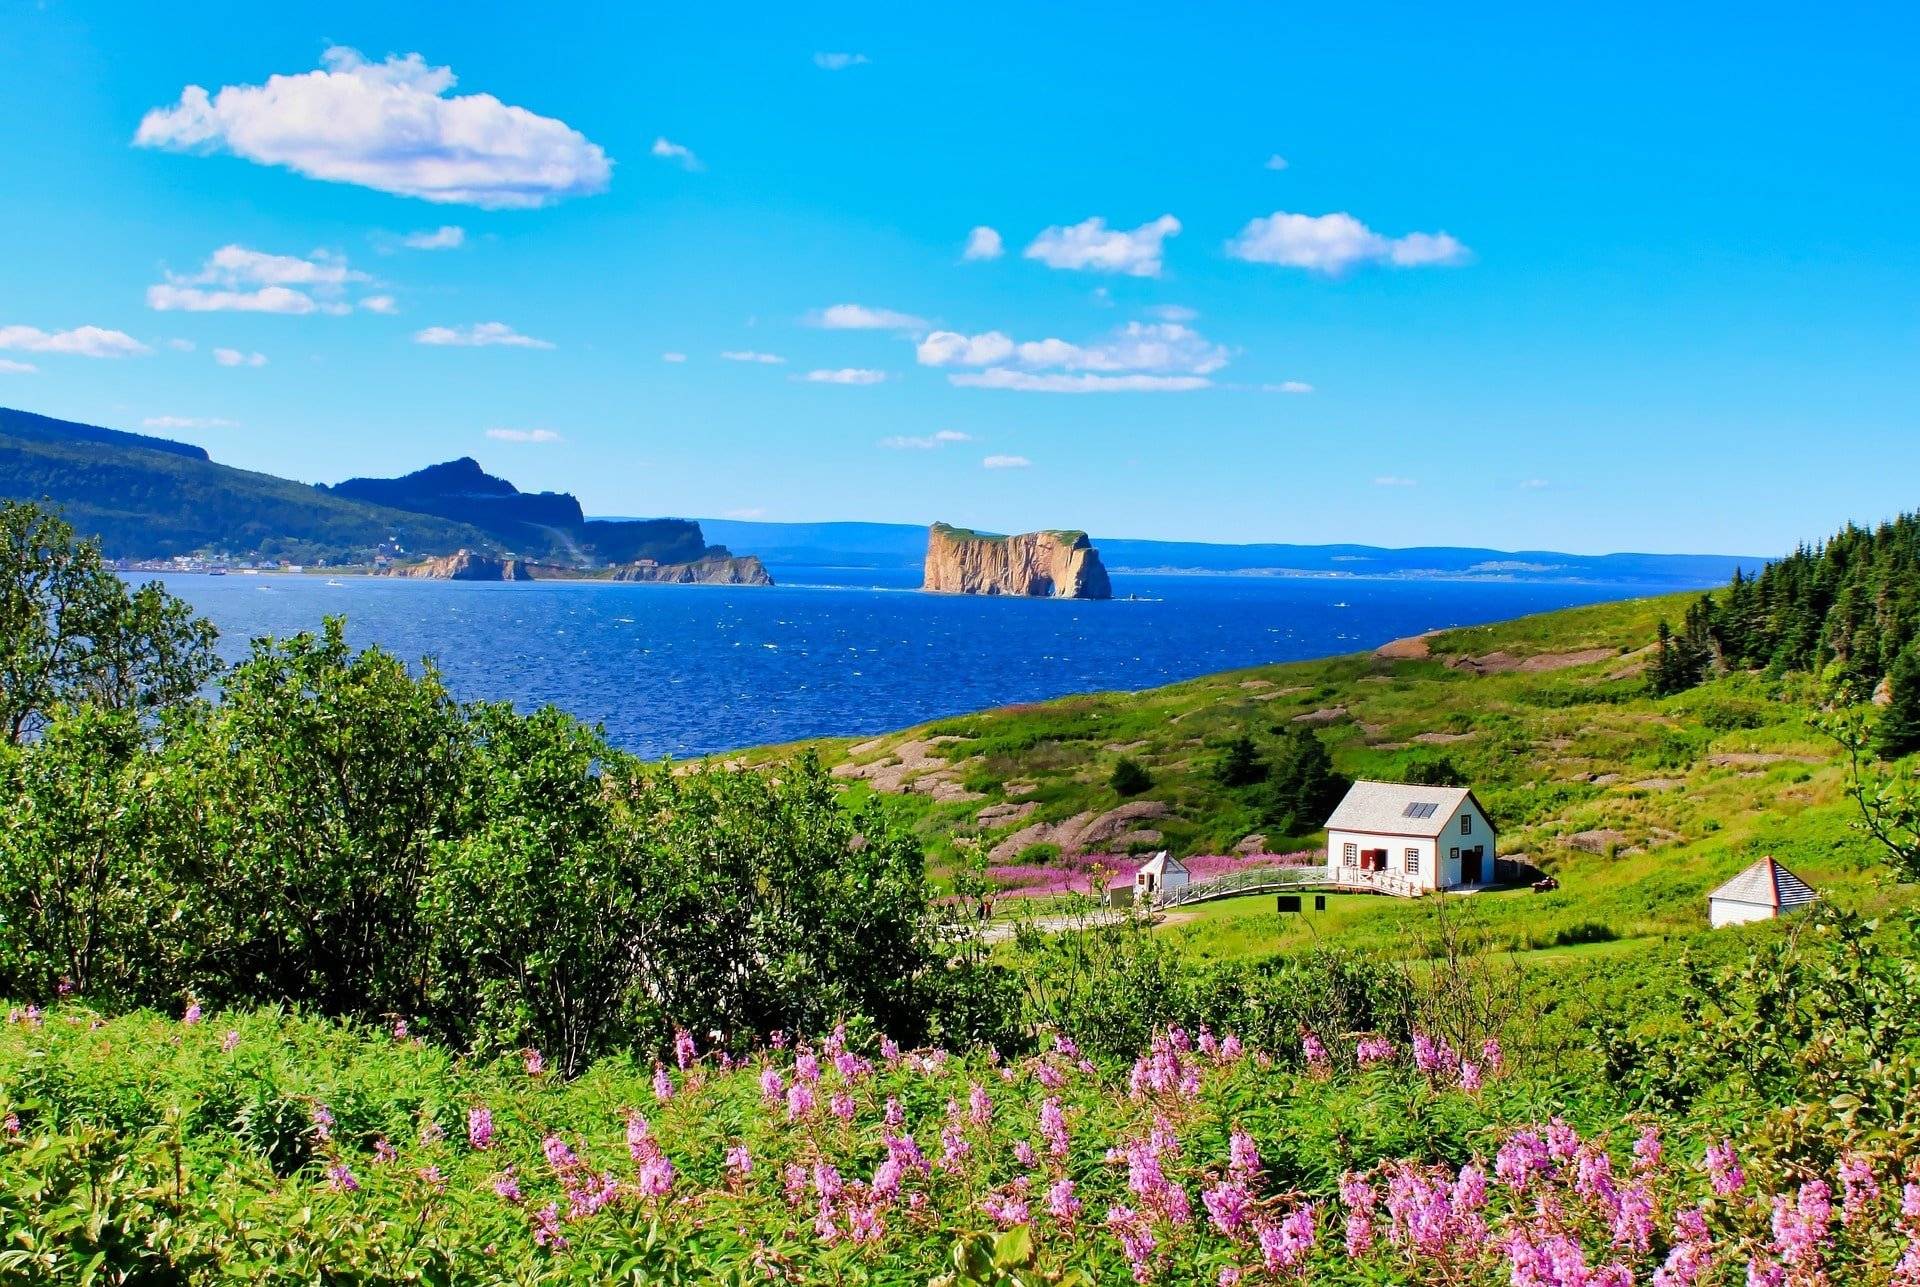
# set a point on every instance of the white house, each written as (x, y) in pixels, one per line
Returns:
(1161, 872)
(1761, 892)
(1410, 837)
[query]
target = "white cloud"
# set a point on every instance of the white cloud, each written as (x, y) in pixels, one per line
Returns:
(1534, 484)
(930, 442)
(1174, 312)
(1140, 357)
(983, 243)
(238, 279)
(1389, 480)
(858, 317)
(446, 237)
(669, 151)
(188, 422)
(524, 435)
(751, 512)
(234, 357)
(389, 126)
(1334, 243)
(950, 348)
(750, 355)
(10, 367)
(180, 346)
(1001, 377)
(380, 304)
(1276, 162)
(839, 62)
(673, 357)
(1005, 462)
(479, 335)
(1094, 246)
(846, 375)
(81, 341)
(1287, 386)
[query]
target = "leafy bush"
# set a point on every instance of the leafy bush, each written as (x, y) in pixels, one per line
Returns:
(1129, 777)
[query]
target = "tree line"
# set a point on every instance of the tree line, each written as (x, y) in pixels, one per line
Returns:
(1847, 610)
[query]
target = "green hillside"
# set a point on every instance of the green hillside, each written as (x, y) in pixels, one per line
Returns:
(150, 498)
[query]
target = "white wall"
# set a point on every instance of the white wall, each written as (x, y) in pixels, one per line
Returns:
(1396, 847)
(1729, 911)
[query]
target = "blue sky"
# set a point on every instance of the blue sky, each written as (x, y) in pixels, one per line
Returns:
(1642, 278)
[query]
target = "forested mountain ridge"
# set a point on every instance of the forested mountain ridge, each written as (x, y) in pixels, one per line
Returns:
(148, 497)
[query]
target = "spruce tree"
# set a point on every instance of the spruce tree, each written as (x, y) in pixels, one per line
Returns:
(1898, 731)
(1304, 786)
(1240, 764)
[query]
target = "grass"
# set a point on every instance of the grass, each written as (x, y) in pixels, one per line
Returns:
(1637, 805)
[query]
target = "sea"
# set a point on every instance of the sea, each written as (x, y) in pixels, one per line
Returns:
(689, 671)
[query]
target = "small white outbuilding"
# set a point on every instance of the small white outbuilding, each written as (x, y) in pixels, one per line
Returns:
(1158, 874)
(1760, 893)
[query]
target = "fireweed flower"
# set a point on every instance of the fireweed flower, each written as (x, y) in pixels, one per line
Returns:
(228, 1042)
(1372, 1050)
(561, 1158)
(662, 1084)
(1006, 1209)
(806, 1067)
(800, 1101)
(739, 1163)
(1801, 1229)
(507, 1187)
(1647, 1149)
(1469, 1076)
(1023, 1153)
(535, 1062)
(322, 1122)
(1285, 1245)
(1860, 1190)
(342, 1179)
(772, 1086)
(979, 1105)
(1360, 1200)
(1136, 1240)
(1053, 1126)
(546, 1228)
(793, 1182)
(1723, 1169)
(895, 1116)
(399, 1029)
(191, 1016)
(480, 1127)
(1492, 1056)
(1062, 1205)
(1243, 1155)
(684, 1050)
(383, 1151)
(1228, 1205)
(842, 1105)
(1315, 1053)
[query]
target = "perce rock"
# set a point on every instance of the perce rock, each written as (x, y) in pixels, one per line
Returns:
(1058, 565)
(465, 565)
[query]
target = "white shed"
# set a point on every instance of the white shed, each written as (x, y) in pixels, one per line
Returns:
(1161, 872)
(1402, 838)
(1760, 893)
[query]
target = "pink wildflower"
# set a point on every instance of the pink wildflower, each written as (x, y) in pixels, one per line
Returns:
(739, 1163)
(800, 1102)
(662, 1084)
(480, 1127)
(1243, 1155)
(228, 1042)
(534, 1061)
(842, 1105)
(1228, 1205)
(507, 1187)
(1062, 1205)
(341, 1178)
(1723, 1169)
(546, 1228)
(1860, 1189)
(192, 1015)
(684, 1051)
(772, 1086)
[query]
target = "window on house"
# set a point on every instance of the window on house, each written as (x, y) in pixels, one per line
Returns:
(1466, 824)
(1350, 855)
(1413, 862)
(1454, 854)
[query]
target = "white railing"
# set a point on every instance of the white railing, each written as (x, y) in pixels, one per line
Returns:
(1273, 879)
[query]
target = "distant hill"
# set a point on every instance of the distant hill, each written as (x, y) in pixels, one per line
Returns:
(900, 546)
(147, 497)
(153, 498)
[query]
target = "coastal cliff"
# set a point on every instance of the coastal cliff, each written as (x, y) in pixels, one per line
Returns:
(719, 569)
(742, 569)
(465, 565)
(1058, 565)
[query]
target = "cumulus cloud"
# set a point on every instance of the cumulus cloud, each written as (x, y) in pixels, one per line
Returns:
(479, 335)
(846, 375)
(670, 151)
(380, 304)
(1390, 480)
(751, 355)
(234, 357)
(10, 367)
(188, 422)
(1287, 386)
(81, 341)
(390, 126)
(1334, 243)
(1276, 162)
(1140, 357)
(1001, 377)
(446, 237)
(524, 435)
(858, 317)
(239, 279)
(1005, 462)
(929, 442)
(1093, 246)
(673, 357)
(839, 62)
(983, 243)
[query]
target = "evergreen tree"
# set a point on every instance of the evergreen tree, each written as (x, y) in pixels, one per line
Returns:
(1304, 786)
(1240, 764)
(1129, 777)
(1898, 731)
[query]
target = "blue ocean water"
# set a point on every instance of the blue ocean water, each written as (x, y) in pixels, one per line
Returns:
(690, 670)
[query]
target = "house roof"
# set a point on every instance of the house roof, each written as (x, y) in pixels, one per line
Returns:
(1397, 809)
(1160, 864)
(1768, 884)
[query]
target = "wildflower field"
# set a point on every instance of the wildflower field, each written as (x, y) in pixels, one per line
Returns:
(254, 1146)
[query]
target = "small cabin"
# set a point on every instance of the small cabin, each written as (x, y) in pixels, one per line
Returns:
(1426, 838)
(1160, 873)
(1760, 893)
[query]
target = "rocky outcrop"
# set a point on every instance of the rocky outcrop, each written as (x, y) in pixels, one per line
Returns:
(1057, 565)
(742, 569)
(465, 565)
